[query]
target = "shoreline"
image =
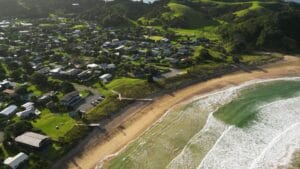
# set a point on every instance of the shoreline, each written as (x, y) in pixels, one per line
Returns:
(139, 117)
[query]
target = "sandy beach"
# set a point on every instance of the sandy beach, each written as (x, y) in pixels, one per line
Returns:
(140, 116)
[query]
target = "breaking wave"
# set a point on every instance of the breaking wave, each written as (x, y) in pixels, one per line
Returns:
(192, 138)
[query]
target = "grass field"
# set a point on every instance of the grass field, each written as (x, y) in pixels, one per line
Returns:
(156, 38)
(128, 87)
(255, 6)
(191, 17)
(48, 121)
(35, 90)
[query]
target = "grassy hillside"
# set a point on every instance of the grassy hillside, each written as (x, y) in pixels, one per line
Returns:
(186, 17)
(255, 6)
(240, 24)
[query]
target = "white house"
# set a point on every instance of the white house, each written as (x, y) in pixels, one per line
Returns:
(93, 66)
(105, 77)
(29, 109)
(111, 66)
(15, 161)
(9, 110)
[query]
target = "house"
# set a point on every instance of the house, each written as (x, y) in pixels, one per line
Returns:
(72, 72)
(44, 70)
(85, 74)
(11, 93)
(15, 161)
(111, 66)
(105, 77)
(9, 110)
(45, 98)
(93, 66)
(29, 109)
(120, 48)
(71, 100)
(32, 139)
(165, 40)
(55, 71)
(6, 84)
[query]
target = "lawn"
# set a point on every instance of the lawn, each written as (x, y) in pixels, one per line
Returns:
(84, 93)
(198, 50)
(205, 32)
(48, 121)
(7, 71)
(257, 59)
(35, 90)
(80, 26)
(156, 38)
(128, 87)
(3, 151)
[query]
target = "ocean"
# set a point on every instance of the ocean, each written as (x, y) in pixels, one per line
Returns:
(255, 125)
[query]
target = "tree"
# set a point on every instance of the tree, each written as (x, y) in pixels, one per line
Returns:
(236, 59)
(204, 53)
(15, 129)
(2, 72)
(16, 74)
(21, 90)
(40, 80)
(67, 87)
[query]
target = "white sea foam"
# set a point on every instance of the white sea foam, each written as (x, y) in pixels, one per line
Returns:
(265, 144)
(191, 155)
(203, 141)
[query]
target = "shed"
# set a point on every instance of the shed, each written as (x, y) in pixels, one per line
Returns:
(32, 139)
(15, 161)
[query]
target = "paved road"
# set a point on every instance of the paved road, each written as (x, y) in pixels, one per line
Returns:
(86, 104)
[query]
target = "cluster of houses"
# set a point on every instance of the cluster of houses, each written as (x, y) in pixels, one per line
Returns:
(28, 109)
(81, 52)
(24, 111)
(30, 140)
(68, 48)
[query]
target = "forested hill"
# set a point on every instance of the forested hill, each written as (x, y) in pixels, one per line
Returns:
(41, 8)
(240, 24)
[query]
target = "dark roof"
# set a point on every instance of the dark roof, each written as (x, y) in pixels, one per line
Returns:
(69, 96)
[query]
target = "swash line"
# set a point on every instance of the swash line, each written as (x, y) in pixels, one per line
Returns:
(271, 144)
(208, 118)
(213, 147)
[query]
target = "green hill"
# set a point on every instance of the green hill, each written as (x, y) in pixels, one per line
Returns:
(180, 15)
(241, 24)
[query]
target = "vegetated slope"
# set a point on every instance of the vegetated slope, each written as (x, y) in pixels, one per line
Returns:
(254, 6)
(180, 15)
(243, 25)
(274, 28)
(41, 8)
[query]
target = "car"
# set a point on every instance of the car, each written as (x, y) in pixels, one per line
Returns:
(97, 101)
(100, 99)
(94, 103)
